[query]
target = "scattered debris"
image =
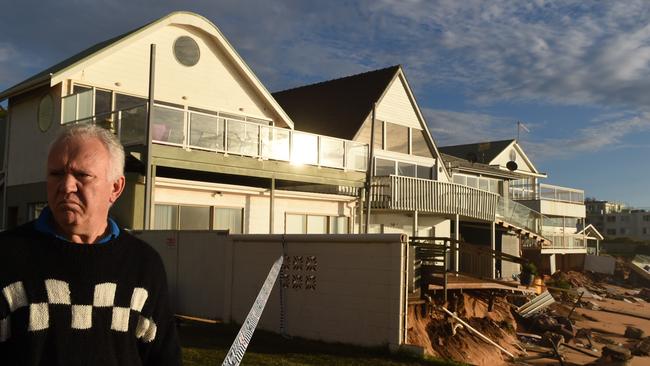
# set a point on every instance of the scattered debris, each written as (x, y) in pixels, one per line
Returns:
(634, 332)
(614, 355)
(642, 348)
(535, 305)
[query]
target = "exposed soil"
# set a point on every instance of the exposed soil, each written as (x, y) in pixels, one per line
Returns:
(432, 331)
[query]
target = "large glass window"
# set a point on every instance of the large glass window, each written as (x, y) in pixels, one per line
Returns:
(419, 144)
(228, 219)
(103, 102)
(296, 224)
(339, 225)
(397, 138)
(316, 224)
(384, 167)
(165, 217)
(123, 101)
(406, 169)
(425, 172)
(194, 218)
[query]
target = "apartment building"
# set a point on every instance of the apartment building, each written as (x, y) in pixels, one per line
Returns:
(616, 220)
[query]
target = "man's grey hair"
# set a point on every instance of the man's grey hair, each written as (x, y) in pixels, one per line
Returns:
(110, 141)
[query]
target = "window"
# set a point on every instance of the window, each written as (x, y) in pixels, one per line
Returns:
(165, 217)
(622, 231)
(180, 217)
(645, 231)
(646, 217)
(397, 138)
(194, 218)
(123, 101)
(625, 218)
(406, 169)
(45, 112)
(424, 172)
(339, 225)
(228, 219)
(364, 133)
(384, 167)
(295, 224)
(186, 51)
(419, 144)
(34, 209)
(315, 224)
(611, 218)
(611, 231)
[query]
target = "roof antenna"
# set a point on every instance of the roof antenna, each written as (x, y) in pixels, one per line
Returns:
(520, 126)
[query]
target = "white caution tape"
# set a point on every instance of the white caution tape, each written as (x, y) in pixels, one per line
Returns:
(238, 348)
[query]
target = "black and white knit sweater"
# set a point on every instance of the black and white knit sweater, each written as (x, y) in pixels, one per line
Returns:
(73, 304)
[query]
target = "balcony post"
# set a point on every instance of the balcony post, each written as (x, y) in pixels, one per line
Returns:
(493, 242)
(456, 245)
(415, 223)
(149, 177)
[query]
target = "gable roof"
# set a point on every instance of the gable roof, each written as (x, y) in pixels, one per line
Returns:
(480, 152)
(336, 107)
(464, 165)
(54, 74)
(591, 232)
(43, 77)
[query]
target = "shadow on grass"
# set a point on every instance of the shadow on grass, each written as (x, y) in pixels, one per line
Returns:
(205, 344)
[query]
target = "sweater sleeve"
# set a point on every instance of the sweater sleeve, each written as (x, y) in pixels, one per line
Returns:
(164, 349)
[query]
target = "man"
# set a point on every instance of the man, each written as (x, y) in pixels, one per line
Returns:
(74, 288)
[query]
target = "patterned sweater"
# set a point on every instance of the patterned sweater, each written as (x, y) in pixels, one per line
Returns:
(75, 304)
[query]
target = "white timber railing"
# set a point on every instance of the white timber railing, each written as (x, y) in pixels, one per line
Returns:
(424, 195)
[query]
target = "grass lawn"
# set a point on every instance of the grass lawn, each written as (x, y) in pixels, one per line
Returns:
(208, 344)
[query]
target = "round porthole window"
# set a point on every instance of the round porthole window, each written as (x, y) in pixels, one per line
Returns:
(45, 112)
(186, 51)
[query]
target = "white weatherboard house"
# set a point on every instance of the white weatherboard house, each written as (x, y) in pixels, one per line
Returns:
(222, 154)
(552, 215)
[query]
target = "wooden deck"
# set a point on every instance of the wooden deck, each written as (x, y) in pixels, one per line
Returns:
(464, 282)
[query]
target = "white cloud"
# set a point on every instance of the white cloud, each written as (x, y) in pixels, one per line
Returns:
(454, 128)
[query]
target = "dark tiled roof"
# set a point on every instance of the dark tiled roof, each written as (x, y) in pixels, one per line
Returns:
(456, 163)
(480, 152)
(336, 107)
(67, 62)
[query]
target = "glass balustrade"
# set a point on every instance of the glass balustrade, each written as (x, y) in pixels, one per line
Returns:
(203, 131)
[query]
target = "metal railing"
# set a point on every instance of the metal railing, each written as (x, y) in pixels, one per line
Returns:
(544, 191)
(416, 194)
(566, 241)
(192, 130)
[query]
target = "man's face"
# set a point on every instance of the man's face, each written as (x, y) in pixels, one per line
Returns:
(79, 190)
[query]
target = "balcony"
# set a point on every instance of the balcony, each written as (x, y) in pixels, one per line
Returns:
(550, 200)
(220, 133)
(423, 195)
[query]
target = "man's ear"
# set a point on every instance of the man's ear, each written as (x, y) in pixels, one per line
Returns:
(117, 189)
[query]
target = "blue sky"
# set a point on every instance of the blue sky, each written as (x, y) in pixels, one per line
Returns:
(577, 73)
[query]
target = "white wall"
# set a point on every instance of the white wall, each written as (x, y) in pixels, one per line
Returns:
(254, 201)
(28, 145)
(396, 107)
(356, 292)
(213, 83)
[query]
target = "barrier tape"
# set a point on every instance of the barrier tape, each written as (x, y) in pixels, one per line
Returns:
(239, 345)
